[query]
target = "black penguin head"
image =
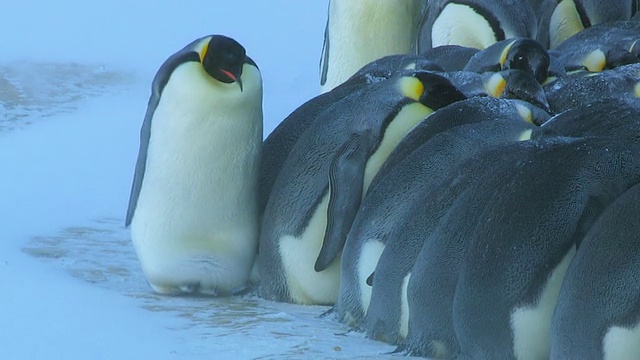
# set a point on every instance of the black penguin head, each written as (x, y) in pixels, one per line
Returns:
(528, 55)
(522, 85)
(438, 91)
(223, 58)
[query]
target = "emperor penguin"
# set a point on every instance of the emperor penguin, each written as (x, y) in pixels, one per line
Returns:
(319, 188)
(523, 240)
(433, 249)
(517, 53)
(444, 252)
(193, 206)
(277, 146)
(603, 46)
(444, 139)
(474, 23)
(569, 17)
(602, 320)
(358, 32)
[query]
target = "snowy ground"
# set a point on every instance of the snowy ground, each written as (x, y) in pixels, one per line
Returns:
(74, 83)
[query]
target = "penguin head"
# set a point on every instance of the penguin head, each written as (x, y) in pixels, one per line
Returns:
(519, 84)
(528, 55)
(223, 58)
(433, 90)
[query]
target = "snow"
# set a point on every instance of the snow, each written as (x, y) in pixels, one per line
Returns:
(74, 83)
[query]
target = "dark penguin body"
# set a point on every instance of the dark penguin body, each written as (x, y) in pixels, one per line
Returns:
(519, 53)
(472, 216)
(525, 237)
(280, 142)
(401, 208)
(583, 88)
(598, 310)
(609, 245)
(502, 309)
(432, 285)
(611, 117)
(600, 47)
(319, 188)
(450, 57)
(475, 23)
(452, 134)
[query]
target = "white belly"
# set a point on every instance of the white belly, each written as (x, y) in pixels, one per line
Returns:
(196, 221)
(369, 255)
(621, 343)
(531, 326)
(404, 308)
(299, 254)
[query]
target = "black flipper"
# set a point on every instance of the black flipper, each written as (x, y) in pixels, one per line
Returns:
(324, 58)
(346, 175)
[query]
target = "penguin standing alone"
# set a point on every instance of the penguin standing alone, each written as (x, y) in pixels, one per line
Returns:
(193, 207)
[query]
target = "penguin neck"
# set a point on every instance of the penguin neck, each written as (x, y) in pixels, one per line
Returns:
(405, 120)
(195, 99)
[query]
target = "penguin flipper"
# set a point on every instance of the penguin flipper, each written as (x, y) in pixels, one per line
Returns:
(141, 163)
(159, 82)
(346, 175)
(324, 58)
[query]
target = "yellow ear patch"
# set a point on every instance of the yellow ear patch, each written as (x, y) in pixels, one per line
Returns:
(595, 61)
(505, 51)
(496, 85)
(632, 46)
(202, 47)
(204, 52)
(411, 87)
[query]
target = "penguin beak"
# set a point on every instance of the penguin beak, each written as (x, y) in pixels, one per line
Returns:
(233, 77)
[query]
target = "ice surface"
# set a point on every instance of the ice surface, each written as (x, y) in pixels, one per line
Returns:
(74, 83)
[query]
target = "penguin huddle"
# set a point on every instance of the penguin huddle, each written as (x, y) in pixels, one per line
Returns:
(472, 233)
(476, 199)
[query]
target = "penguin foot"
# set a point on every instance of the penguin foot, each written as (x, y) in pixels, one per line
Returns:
(331, 310)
